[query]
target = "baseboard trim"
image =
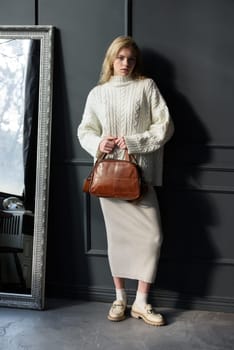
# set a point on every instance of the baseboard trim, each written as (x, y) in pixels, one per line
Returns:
(159, 298)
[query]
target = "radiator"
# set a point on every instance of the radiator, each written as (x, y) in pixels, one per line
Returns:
(11, 229)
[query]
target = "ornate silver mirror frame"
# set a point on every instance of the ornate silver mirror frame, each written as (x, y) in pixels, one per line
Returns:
(35, 299)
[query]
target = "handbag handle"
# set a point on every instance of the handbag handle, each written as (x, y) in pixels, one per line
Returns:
(128, 157)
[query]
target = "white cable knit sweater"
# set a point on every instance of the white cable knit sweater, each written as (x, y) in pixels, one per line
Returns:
(134, 109)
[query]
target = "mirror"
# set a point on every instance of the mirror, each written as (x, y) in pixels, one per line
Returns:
(26, 64)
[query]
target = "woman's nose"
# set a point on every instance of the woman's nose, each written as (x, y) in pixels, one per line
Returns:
(126, 62)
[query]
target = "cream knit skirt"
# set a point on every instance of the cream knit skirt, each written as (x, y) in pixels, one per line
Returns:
(133, 236)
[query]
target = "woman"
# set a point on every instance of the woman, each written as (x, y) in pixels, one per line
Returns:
(127, 112)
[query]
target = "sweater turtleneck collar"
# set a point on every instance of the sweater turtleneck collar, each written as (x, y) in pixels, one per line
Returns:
(118, 80)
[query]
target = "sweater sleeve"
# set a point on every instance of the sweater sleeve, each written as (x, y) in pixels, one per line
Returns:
(89, 131)
(161, 128)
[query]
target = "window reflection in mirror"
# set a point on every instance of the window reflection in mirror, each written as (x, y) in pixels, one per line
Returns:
(19, 84)
(13, 67)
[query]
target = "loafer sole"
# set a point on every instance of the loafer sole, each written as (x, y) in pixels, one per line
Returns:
(116, 319)
(139, 315)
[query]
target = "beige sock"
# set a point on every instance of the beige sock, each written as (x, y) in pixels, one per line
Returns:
(141, 299)
(121, 295)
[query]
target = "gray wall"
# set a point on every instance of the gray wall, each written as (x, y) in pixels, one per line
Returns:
(188, 49)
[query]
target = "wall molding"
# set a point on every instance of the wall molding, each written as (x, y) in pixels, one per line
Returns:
(36, 9)
(163, 260)
(218, 168)
(159, 297)
(96, 252)
(89, 251)
(77, 162)
(215, 168)
(205, 188)
(197, 261)
(206, 145)
(219, 146)
(87, 230)
(87, 224)
(128, 17)
(201, 188)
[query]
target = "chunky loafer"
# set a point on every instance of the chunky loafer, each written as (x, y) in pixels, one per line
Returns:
(117, 311)
(148, 315)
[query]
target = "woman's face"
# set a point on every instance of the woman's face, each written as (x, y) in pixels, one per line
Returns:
(124, 62)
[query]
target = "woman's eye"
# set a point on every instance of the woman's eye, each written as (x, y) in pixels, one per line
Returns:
(130, 59)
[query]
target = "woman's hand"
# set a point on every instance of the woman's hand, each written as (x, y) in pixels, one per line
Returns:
(120, 142)
(107, 144)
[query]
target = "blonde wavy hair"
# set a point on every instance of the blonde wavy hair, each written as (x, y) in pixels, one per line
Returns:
(112, 52)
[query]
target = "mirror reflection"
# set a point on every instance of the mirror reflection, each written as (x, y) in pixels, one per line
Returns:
(19, 87)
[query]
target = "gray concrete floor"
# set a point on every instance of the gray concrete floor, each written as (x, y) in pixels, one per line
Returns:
(75, 325)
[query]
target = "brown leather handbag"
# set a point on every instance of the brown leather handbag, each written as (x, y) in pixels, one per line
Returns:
(115, 178)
